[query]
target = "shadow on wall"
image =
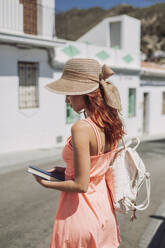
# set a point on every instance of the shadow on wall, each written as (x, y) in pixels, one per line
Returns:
(158, 241)
(10, 56)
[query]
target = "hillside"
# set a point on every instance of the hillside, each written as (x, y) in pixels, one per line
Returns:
(74, 23)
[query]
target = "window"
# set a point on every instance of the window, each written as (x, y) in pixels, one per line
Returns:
(132, 102)
(28, 85)
(71, 115)
(30, 16)
(163, 103)
(115, 35)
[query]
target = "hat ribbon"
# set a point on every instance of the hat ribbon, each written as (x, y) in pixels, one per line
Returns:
(111, 93)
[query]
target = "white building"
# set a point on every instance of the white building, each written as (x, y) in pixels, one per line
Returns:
(152, 91)
(142, 85)
(123, 58)
(31, 56)
(28, 112)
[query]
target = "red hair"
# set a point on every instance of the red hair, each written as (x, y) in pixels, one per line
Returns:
(105, 117)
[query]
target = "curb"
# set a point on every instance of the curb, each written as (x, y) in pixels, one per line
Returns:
(152, 228)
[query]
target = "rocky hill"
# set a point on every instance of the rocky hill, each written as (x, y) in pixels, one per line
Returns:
(74, 23)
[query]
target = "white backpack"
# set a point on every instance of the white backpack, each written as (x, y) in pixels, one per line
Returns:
(126, 175)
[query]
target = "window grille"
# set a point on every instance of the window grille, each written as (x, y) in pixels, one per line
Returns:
(28, 85)
(163, 103)
(132, 102)
(59, 139)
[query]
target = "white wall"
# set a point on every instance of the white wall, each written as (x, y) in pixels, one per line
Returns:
(46, 15)
(123, 83)
(28, 128)
(40, 127)
(115, 58)
(156, 118)
(96, 35)
(11, 15)
(130, 34)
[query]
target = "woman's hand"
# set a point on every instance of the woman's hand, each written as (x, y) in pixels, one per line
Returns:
(44, 182)
(57, 168)
(41, 181)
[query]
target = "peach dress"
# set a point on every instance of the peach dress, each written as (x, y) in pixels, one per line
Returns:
(86, 220)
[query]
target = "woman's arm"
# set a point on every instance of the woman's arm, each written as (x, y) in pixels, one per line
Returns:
(81, 156)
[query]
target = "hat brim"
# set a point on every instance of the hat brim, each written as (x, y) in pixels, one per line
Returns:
(68, 87)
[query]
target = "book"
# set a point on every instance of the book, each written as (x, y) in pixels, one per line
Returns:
(51, 176)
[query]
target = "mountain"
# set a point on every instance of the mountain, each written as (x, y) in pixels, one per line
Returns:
(74, 23)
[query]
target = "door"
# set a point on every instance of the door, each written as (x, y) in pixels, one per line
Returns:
(145, 112)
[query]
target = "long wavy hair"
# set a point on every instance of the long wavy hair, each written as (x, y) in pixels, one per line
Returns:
(107, 118)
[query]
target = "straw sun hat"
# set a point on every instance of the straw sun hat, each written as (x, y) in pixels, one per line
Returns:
(82, 76)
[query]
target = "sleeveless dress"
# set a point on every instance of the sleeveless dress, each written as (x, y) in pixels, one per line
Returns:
(86, 220)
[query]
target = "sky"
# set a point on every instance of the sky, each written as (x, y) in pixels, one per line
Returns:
(63, 5)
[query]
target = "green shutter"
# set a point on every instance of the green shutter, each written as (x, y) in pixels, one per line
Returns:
(163, 103)
(71, 115)
(132, 102)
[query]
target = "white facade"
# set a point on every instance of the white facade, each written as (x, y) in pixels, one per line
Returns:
(122, 30)
(126, 76)
(153, 123)
(30, 128)
(46, 20)
(11, 16)
(123, 83)
(22, 129)
(45, 126)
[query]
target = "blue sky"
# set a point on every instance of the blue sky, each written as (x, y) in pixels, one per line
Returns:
(63, 5)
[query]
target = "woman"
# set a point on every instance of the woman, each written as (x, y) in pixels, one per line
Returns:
(85, 215)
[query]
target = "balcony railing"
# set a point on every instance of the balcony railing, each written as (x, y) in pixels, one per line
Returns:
(27, 17)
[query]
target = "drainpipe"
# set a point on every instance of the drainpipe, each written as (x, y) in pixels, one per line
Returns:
(54, 64)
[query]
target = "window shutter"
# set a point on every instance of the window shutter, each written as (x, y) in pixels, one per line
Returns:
(132, 102)
(71, 115)
(30, 16)
(163, 103)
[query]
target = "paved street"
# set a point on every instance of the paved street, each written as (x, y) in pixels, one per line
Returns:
(27, 210)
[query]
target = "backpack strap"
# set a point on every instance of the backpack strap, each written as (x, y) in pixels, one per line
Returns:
(146, 179)
(129, 142)
(146, 202)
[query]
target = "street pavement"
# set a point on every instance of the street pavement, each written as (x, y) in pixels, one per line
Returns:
(27, 210)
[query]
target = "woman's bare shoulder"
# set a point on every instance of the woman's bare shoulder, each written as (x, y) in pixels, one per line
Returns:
(80, 126)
